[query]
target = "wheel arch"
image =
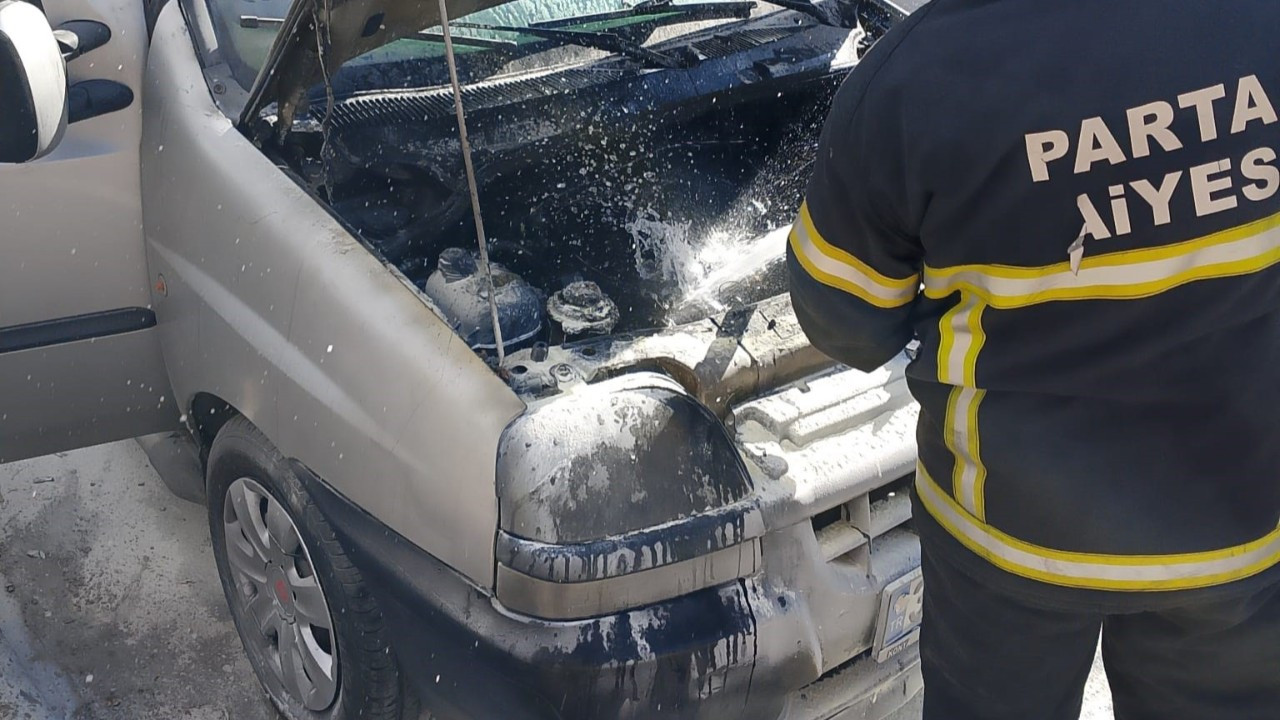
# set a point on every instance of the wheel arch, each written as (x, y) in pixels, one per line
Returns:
(208, 414)
(181, 457)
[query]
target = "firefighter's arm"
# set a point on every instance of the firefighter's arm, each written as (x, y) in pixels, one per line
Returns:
(853, 260)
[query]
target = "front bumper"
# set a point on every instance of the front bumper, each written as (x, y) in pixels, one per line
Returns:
(747, 650)
(861, 689)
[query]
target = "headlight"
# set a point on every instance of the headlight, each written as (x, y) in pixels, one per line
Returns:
(620, 494)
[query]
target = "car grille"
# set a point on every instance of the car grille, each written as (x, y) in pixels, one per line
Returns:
(848, 533)
(839, 448)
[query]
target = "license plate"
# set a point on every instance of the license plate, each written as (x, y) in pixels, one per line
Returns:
(901, 605)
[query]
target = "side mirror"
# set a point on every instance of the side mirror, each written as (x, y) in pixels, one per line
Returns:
(33, 84)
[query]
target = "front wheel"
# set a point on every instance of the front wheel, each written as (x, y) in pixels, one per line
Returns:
(310, 626)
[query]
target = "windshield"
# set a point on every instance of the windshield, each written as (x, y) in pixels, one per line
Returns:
(247, 28)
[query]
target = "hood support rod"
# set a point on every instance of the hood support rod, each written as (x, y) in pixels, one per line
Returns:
(481, 240)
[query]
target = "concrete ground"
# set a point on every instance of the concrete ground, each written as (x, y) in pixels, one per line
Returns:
(110, 607)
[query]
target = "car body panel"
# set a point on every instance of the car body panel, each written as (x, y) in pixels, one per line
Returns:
(73, 249)
(818, 450)
(65, 381)
(824, 443)
(273, 307)
(87, 256)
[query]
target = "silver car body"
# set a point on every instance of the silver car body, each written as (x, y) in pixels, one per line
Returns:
(259, 313)
(266, 305)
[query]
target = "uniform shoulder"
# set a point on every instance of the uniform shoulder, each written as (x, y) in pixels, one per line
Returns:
(891, 64)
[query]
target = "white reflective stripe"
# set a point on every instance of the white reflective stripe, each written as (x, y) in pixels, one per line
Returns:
(961, 339)
(962, 421)
(832, 271)
(1112, 572)
(1122, 275)
(834, 267)
(955, 327)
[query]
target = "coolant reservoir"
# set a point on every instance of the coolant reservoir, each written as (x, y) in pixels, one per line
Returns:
(460, 289)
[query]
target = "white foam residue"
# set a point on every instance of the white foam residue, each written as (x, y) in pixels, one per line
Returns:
(689, 265)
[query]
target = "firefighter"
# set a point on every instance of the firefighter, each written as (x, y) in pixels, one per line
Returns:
(1074, 206)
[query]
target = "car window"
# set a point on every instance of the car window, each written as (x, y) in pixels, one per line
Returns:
(246, 29)
(574, 15)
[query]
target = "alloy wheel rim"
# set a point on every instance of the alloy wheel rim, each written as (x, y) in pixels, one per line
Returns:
(280, 600)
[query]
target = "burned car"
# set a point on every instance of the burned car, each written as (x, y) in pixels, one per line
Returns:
(541, 439)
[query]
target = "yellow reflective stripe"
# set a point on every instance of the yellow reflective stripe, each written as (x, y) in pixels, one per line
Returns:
(961, 436)
(836, 268)
(911, 283)
(962, 338)
(1126, 275)
(1096, 571)
(975, 488)
(977, 338)
(951, 326)
(977, 492)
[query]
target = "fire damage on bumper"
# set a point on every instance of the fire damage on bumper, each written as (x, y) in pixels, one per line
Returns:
(667, 561)
(735, 650)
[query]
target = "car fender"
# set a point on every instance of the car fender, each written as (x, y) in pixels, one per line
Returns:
(266, 301)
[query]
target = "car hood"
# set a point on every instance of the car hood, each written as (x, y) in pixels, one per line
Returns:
(352, 27)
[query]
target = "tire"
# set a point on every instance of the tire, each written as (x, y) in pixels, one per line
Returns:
(247, 479)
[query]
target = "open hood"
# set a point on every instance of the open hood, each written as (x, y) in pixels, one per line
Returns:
(622, 197)
(318, 36)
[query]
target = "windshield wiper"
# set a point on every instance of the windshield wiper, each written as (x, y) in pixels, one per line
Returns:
(476, 42)
(686, 12)
(596, 39)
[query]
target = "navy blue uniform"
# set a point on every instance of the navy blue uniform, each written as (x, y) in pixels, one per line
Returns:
(1074, 205)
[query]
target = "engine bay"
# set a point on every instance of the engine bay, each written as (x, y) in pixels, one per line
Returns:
(616, 198)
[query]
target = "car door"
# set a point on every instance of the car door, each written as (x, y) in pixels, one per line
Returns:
(80, 361)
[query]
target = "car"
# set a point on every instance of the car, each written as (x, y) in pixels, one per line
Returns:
(510, 423)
